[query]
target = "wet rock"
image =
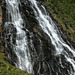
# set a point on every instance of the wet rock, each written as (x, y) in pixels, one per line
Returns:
(39, 43)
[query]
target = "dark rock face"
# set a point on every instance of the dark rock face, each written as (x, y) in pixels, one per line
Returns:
(39, 43)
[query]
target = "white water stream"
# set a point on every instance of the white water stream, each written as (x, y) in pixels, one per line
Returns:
(48, 26)
(21, 48)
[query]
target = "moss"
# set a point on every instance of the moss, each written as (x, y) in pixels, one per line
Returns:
(7, 69)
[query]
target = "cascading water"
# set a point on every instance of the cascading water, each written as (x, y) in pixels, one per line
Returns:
(21, 48)
(49, 28)
(62, 60)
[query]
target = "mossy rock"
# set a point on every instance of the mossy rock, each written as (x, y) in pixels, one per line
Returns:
(64, 13)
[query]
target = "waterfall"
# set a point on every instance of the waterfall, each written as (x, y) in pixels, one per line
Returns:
(62, 62)
(51, 30)
(21, 49)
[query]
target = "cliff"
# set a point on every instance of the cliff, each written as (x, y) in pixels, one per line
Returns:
(64, 20)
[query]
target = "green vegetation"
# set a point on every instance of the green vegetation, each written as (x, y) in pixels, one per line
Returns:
(64, 12)
(7, 69)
